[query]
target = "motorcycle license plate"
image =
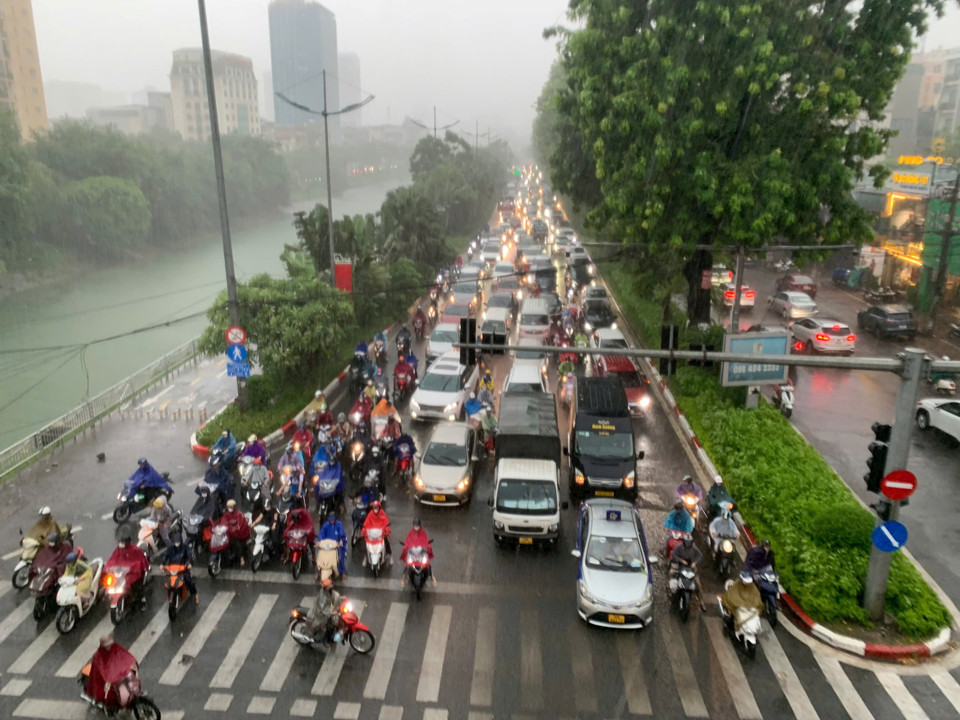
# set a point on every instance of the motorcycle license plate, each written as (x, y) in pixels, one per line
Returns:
(525, 541)
(604, 493)
(439, 498)
(616, 619)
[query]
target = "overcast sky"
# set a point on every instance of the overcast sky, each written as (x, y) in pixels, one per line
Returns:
(477, 61)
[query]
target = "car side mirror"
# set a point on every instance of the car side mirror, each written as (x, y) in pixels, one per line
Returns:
(564, 505)
(654, 559)
(474, 458)
(641, 454)
(576, 553)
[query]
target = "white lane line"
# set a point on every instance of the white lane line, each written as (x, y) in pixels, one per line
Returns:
(283, 660)
(431, 670)
(683, 675)
(329, 674)
(243, 643)
(81, 656)
(52, 709)
(150, 401)
(29, 657)
(221, 374)
(948, 686)
(898, 692)
(106, 516)
(12, 554)
(150, 634)
(737, 684)
(187, 653)
(201, 405)
(585, 689)
(634, 684)
(481, 687)
(843, 687)
(10, 623)
(531, 662)
(386, 654)
(5, 588)
(789, 682)
(194, 382)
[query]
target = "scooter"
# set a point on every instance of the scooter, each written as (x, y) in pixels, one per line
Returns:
(220, 550)
(196, 525)
(148, 537)
(691, 503)
(123, 591)
(347, 628)
(328, 487)
(133, 499)
(744, 637)
(724, 556)
(418, 567)
(296, 541)
(379, 350)
(29, 547)
(568, 388)
(176, 587)
(126, 695)
(403, 345)
(401, 388)
(683, 585)
(783, 398)
(71, 606)
(375, 556)
(768, 583)
(45, 574)
(403, 468)
(328, 559)
(262, 546)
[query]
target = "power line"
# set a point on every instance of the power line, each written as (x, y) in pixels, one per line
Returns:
(41, 380)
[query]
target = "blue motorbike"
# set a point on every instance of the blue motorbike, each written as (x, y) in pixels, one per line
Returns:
(138, 495)
(328, 488)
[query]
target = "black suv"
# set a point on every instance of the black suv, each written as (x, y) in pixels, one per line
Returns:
(888, 321)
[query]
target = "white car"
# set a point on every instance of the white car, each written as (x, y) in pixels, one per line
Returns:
(728, 294)
(532, 354)
(791, 305)
(441, 340)
(449, 466)
(503, 269)
(822, 335)
(443, 390)
(609, 338)
(526, 379)
(577, 253)
(941, 414)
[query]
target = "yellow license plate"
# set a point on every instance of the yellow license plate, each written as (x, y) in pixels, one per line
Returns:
(525, 541)
(604, 493)
(439, 498)
(616, 618)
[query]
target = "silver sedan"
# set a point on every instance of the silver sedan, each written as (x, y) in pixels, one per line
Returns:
(793, 305)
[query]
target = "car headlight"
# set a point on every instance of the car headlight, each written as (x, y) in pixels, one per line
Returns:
(463, 484)
(613, 325)
(553, 528)
(586, 594)
(497, 525)
(629, 479)
(451, 407)
(418, 482)
(414, 405)
(578, 477)
(588, 327)
(645, 402)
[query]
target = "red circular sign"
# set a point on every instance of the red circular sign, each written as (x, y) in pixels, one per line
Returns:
(899, 484)
(235, 335)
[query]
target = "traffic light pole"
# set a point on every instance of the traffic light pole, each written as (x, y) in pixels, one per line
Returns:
(899, 448)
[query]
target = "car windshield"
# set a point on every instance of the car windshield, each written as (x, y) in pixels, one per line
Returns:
(502, 300)
(446, 454)
(527, 497)
(532, 319)
(464, 288)
(615, 553)
(444, 336)
(525, 387)
(532, 354)
(614, 343)
(435, 382)
(604, 442)
(509, 283)
(456, 310)
(493, 326)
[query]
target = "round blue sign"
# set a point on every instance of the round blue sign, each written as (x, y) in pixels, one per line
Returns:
(237, 353)
(890, 537)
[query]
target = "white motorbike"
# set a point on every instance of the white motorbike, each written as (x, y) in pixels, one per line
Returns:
(72, 606)
(259, 546)
(943, 383)
(744, 628)
(328, 559)
(376, 556)
(783, 398)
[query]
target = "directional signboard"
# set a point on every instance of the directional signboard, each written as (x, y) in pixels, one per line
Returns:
(768, 342)
(899, 484)
(238, 369)
(237, 353)
(890, 537)
(236, 335)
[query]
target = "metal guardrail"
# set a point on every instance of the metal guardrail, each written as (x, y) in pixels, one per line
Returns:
(71, 424)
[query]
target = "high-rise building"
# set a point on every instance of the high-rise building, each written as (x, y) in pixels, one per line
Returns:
(21, 84)
(303, 43)
(236, 94)
(266, 95)
(350, 89)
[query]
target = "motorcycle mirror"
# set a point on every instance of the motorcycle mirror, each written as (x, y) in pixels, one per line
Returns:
(576, 553)
(566, 451)
(641, 455)
(654, 559)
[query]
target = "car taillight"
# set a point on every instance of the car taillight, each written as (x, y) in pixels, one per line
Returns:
(822, 338)
(729, 294)
(851, 338)
(798, 345)
(750, 293)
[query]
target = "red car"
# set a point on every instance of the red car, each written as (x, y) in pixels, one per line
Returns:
(635, 384)
(454, 312)
(797, 283)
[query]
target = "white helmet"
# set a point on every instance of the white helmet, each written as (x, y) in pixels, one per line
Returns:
(45, 510)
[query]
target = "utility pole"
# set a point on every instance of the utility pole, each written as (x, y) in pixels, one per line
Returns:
(899, 448)
(326, 147)
(738, 281)
(476, 139)
(943, 267)
(233, 306)
(434, 122)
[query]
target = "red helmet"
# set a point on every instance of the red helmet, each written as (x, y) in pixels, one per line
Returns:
(375, 505)
(327, 583)
(256, 461)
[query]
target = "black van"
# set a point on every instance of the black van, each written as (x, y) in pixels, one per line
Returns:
(603, 459)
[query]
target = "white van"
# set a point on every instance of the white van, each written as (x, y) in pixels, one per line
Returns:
(526, 502)
(534, 318)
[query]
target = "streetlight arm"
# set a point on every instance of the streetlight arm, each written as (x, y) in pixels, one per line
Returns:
(353, 106)
(297, 105)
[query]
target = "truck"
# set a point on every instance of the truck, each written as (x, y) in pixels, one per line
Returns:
(526, 496)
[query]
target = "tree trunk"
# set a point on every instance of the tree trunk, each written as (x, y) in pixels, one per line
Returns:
(698, 299)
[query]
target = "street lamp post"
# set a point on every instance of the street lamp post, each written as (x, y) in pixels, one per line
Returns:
(435, 128)
(326, 113)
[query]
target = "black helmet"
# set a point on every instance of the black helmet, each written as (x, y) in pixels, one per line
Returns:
(175, 538)
(142, 461)
(125, 536)
(53, 538)
(416, 523)
(765, 544)
(678, 505)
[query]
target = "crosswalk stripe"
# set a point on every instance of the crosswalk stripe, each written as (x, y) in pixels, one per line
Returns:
(150, 634)
(13, 620)
(428, 688)
(332, 666)
(901, 697)
(481, 686)
(843, 687)
(386, 654)
(52, 709)
(81, 656)
(634, 684)
(585, 695)
(737, 684)
(686, 679)
(177, 669)
(283, 660)
(531, 662)
(948, 686)
(29, 657)
(10, 556)
(243, 643)
(786, 676)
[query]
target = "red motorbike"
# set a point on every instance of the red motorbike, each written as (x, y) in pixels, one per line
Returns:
(298, 536)
(360, 412)
(45, 573)
(124, 586)
(346, 628)
(114, 685)
(401, 387)
(418, 566)
(176, 588)
(221, 550)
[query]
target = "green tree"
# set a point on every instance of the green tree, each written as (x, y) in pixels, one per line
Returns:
(104, 215)
(428, 155)
(728, 123)
(411, 228)
(15, 202)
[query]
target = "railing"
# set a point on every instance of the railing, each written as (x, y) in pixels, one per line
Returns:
(73, 423)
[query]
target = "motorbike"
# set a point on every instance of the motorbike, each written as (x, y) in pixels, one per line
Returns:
(379, 350)
(403, 468)
(724, 556)
(297, 539)
(71, 606)
(226, 459)
(376, 556)
(674, 538)
(841, 277)
(128, 696)
(403, 345)
(683, 586)
(568, 389)
(262, 546)
(347, 629)
(433, 313)
(328, 559)
(768, 583)
(123, 590)
(402, 385)
(692, 505)
(360, 412)
(883, 295)
(943, 383)
(418, 567)
(29, 547)
(358, 451)
(196, 525)
(744, 636)
(148, 537)
(783, 398)
(133, 499)
(175, 585)
(46, 572)
(419, 328)
(328, 487)
(220, 549)
(357, 375)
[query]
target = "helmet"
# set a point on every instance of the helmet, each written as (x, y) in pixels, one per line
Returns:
(257, 461)
(375, 505)
(231, 504)
(142, 461)
(72, 557)
(687, 540)
(176, 539)
(158, 503)
(252, 439)
(678, 506)
(225, 433)
(318, 393)
(331, 516)
(375, 450)
(125, 536)
(106, 641)
(686, 480)
(746, 577)
(725, 514)
(45, 510)
(53, 538)
(342, 417)
(326, 584)
(204, 491)
(488, 373)
(416, 523)
(289, 446)
(370, 479)
(369, 383)
(473, 396)
(765, 543)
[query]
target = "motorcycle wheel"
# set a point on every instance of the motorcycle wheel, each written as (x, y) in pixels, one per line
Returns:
(417, 582)
(362, 641)
(39, 608)
(145, 709)
(683, 606)
(121, 514)
(118, 613)
(256, 561)
(215, 565)
(21, 578)
(297, 567)
(751, 649)
(298, 631)
(772, 613)
(173, 607)
(724, 567)
(67, 619)
(786, 412)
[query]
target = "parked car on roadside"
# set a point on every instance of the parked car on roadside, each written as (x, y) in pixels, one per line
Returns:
(888, 321)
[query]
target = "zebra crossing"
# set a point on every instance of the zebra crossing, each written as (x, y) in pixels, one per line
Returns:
(449, 656)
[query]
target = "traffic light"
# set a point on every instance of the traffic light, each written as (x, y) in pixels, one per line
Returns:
(877, 462)
(468, 336)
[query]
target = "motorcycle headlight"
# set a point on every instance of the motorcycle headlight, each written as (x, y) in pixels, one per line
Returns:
(120, 497)
(727, 546)
(690, 500)
(587, 326)
(613, 326)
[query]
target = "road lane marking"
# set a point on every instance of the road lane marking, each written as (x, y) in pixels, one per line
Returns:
(531, 662)
(901, 697)
(163, 405)
(329, 674)
(10, 623)
(221, 374)
(481, 687)
(948, 686)
(187, 653)
(12, 554)
(634, 683)
(194, 382)
(81, 656)
(106, 516)
(585, 689)
(737, 684)
(431, 670)
(52, 709)
(150, 401)
(283, 660)
(683, 674)
(29, 657)
(843, 687)
(243, 643)
(386, 654)
(787, 677)
(150, 634)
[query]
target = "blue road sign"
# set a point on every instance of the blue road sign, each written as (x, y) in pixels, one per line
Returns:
(237, 353)
(890, 537)
(238, 369)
